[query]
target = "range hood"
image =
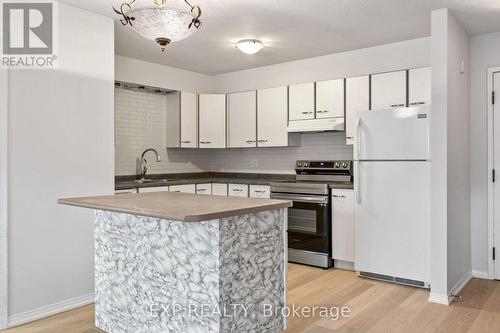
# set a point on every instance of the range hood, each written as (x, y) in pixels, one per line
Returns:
(316, 125)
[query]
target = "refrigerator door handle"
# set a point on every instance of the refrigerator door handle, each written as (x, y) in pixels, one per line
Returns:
(357, 184)
(358, 137)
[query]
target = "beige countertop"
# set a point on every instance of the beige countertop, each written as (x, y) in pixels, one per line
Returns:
(177, 206)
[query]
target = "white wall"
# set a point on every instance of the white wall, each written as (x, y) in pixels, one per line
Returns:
(459, 241)
(60, 145)
(450, 156)
(3, 196)
(401, 55)
(485, 52)
(141, 72)
(438, 149)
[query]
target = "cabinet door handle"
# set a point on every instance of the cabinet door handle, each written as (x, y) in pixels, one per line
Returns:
(322, 111)
(259, 191)
(237, 190)
(338, 196)
(250, 141)
(349, 137)
(261, 141)
(201, 190)
(417, 103)
(397, 105)
(205, 142)
(185, 141)
(307, 112)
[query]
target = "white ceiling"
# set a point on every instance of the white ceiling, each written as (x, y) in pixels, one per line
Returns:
(292, 29)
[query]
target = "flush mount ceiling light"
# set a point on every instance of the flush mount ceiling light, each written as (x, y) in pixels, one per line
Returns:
(160, 23)
(249, 46)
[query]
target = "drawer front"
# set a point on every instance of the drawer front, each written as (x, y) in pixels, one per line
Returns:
(219, 189)
(260, 191)
(238, 190)
(190, 188)
(204, 189)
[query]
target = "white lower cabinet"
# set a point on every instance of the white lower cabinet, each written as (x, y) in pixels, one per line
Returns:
(188, 188)
(204, 189)
(238, 190)
(343, 225)
(219, 189)
(153, 189)
(260, 191)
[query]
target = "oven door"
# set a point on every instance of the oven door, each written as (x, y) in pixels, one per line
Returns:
(309, 226)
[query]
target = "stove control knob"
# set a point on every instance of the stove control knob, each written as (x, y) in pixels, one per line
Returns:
(345, 164)
(337, 165)
(306, 165)
(299, 164)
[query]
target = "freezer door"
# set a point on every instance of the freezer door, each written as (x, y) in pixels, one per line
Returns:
(392, 219)
(394, 134)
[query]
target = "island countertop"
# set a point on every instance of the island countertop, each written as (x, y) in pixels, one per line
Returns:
(177, 206)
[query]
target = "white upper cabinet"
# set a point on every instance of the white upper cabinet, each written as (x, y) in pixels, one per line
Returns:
(189, 120)
(272, 117)
(330, 99)
(301, 98)
(419, 86)
(242, 118)
(357, 99)
(388, 90)
(212, 116)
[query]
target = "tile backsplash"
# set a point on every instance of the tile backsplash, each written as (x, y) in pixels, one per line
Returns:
(141, 124)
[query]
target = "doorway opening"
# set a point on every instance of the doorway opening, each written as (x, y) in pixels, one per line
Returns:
(493, 170)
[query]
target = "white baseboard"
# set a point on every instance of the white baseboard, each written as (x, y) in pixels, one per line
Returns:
(439, 299)
(347, 265)
(457, 288)
(481, 275)
(49, 310)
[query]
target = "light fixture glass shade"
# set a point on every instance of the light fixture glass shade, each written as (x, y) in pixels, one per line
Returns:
(162, 23)
(249, 46)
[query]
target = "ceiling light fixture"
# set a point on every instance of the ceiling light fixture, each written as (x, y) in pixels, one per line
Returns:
(249, 46)
(160, 23)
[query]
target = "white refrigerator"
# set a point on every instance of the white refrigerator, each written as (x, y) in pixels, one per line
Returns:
(392, 191)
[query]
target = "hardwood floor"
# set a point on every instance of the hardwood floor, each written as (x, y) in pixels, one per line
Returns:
(375, 307)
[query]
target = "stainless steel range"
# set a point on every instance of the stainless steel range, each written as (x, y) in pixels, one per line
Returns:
(310, 218)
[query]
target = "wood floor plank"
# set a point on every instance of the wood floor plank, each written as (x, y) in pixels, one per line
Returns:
(466, 309)
(373, 314)
(376, 307)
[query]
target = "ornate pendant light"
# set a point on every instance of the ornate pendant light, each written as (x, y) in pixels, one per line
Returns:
(160, 23)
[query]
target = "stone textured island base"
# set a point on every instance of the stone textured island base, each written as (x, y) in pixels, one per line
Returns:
(225, 275)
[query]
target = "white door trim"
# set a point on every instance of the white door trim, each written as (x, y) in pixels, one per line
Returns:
(3, 197)
(491, 222)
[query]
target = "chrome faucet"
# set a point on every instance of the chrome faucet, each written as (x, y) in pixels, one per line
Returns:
(142, 163)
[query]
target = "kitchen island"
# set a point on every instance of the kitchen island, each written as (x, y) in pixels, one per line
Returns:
(177, 262)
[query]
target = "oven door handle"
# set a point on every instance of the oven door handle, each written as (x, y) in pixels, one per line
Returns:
(301, 198)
